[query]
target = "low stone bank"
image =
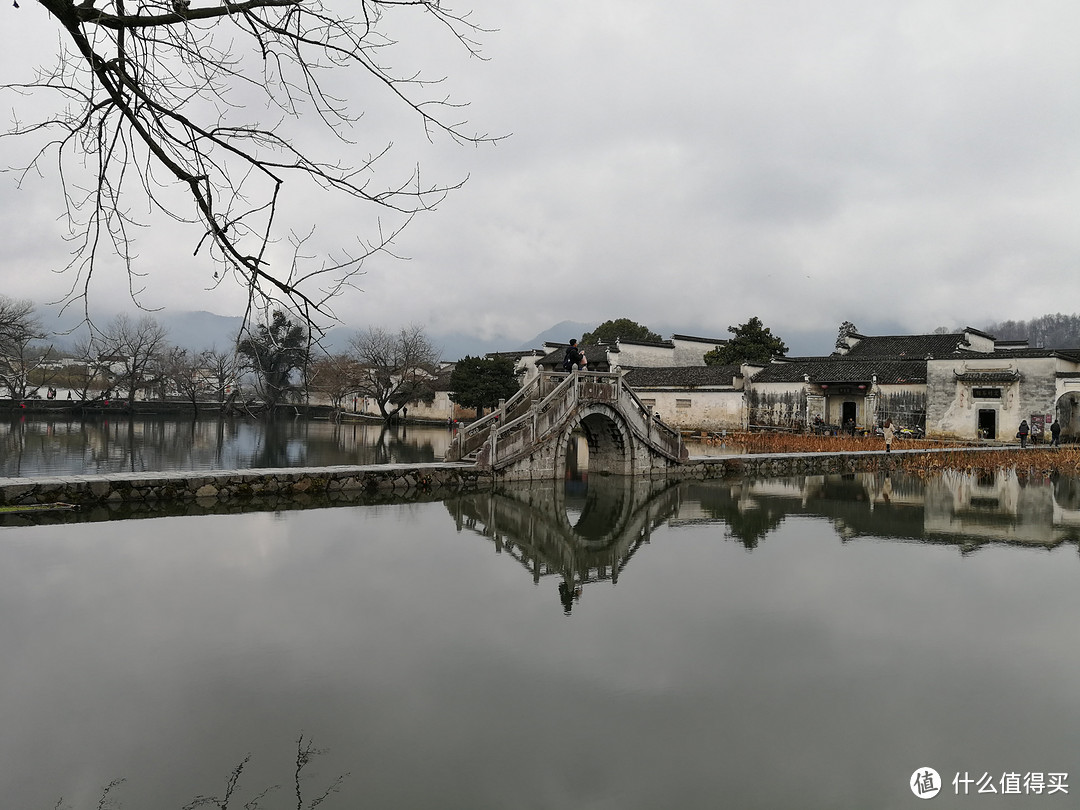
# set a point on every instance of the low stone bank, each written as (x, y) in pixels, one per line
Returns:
(245, 485)
(86, 490)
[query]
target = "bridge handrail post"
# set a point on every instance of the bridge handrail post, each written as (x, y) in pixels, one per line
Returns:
(496, 427)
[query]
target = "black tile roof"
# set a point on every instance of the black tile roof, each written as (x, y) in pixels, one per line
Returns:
(987, 376)
(596, 354)
(1028, 352)
(695, 339)
(518, 354)
(908, 346)
(844, 370)
(682, 377)
(662, 344)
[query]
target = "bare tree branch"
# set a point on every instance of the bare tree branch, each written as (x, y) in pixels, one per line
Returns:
(153, 113)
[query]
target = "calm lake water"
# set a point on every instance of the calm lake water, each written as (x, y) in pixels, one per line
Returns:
(792, 643)
(34, 446)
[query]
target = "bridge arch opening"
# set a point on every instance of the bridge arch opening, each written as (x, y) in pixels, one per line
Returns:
(603, 445)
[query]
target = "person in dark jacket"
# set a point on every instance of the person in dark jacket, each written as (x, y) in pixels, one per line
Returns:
(1022, 433)
(572, 356)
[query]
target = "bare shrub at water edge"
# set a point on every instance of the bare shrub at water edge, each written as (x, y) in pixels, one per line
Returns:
(305, 753)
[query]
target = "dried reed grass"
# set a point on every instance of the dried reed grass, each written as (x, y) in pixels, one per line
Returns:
(1031, 461)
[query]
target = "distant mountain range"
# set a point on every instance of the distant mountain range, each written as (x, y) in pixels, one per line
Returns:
(205, 330)
(190, 330)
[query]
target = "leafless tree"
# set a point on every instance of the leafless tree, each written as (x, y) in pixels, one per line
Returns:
(188, 374)
(395, 368)
(222, 368)
(134, 350)
(336, 377)
(18, 320)
(88, 374)
(153, 111)
(19, 329)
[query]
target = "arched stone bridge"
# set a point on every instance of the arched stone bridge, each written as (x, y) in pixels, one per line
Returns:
(528, 436)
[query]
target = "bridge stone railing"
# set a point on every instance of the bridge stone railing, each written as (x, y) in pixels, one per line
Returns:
(471, 437)
(543, 407)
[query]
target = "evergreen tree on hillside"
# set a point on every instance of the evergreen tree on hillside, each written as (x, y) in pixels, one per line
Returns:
(610, 331)
(753, 342)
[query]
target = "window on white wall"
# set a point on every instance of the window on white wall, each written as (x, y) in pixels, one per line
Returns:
(682, 403)
(648, 403)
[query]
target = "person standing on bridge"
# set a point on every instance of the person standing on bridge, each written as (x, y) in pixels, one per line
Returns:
(889, 432)
(572, 356)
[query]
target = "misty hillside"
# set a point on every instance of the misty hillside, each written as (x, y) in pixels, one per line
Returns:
(1047, 331)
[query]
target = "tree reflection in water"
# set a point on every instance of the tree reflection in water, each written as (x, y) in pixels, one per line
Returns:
(37, 445)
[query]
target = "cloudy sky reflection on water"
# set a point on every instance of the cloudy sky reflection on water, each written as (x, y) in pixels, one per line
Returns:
(808, 672)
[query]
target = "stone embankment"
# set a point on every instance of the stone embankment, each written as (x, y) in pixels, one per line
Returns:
(278, 485)
(238, 485)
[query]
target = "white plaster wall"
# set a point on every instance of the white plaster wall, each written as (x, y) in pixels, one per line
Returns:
(709, 410)
(887, 391)
(775, 391)
(440, 409)
(690, 352)
(632, 355)
(527, 365)
(952, 411)
(978, 343)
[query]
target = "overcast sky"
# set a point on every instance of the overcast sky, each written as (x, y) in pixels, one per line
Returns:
(692, 163)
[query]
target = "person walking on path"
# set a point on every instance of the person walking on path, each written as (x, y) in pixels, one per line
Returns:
(889, 432)
(1022, 433)
(1055, 434)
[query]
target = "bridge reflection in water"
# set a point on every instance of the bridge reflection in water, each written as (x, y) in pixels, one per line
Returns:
(584, 531)
(568, 532)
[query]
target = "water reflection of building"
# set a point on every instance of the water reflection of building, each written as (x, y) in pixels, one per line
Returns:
(968, 509)
(581, 538)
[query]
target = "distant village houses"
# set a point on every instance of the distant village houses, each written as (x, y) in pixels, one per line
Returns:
(959, 385)
(956, 385)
